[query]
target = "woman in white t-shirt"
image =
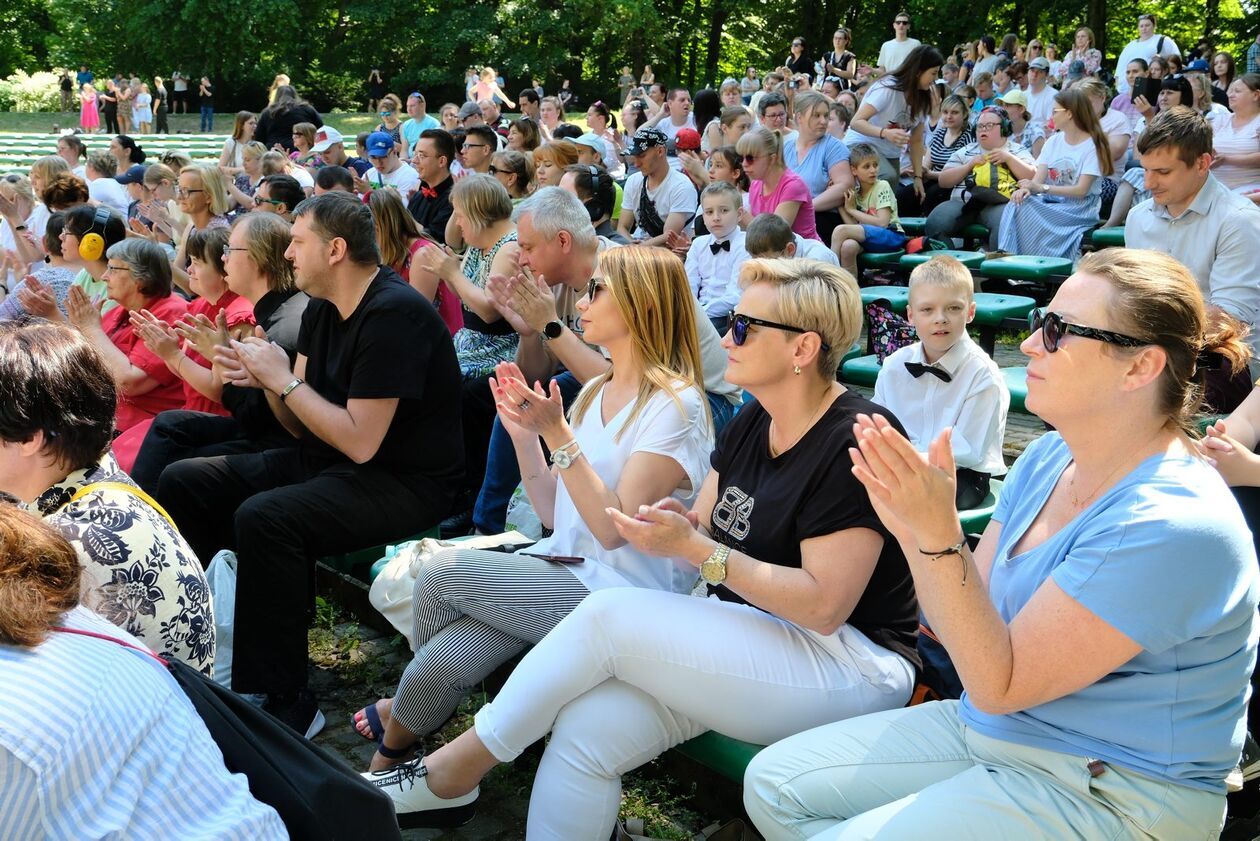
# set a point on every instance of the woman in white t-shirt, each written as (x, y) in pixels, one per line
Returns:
(636, 434)
(893, 113)
(1236, 137)
(1115, 125)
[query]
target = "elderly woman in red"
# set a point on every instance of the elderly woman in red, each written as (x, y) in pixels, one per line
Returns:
(138, 277)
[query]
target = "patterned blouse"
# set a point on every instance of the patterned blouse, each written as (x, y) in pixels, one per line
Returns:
(138, 572)
(479, 345)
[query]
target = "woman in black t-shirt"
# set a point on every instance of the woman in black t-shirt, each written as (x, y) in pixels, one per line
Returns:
(810, 616)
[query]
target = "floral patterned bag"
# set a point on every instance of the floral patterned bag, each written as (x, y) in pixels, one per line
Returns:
(889, 332)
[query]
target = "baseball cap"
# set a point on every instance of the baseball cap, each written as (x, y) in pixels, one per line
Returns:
(687, 140)
(325, 138)
(1014, 97)
(379, 144)
(644, 139)
(1197, 66)
(593, 142)
(1076, 70)
(469, 109)
(133, 175)
(1039, 63)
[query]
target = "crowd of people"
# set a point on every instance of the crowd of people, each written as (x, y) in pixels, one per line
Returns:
(637, 329)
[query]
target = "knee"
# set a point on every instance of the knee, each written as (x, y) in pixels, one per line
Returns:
(442, 575)
(257, 518)
(850, 248)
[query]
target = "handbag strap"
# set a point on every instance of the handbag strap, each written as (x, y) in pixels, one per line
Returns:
(125, 488)
(114, 640)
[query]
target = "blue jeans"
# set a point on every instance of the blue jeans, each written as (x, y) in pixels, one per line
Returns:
(503, 473)
(207, 118)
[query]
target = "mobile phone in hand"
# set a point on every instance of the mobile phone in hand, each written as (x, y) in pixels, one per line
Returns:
(559, 559)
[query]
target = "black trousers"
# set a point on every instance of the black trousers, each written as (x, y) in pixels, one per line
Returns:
(161, 127)
(280, 510)
(478, 419)
(111, 120)
(179, 434)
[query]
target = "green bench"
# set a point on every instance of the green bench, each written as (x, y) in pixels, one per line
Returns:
(350, 562)
(728, 757)
(1107, 237)
(861, 370)
(1027, 270)
(886, 260)
(1017, 384)
(970, 259)
(994, 308)
(975, 520)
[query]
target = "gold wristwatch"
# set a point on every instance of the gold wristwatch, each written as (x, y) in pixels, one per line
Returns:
(713, 570)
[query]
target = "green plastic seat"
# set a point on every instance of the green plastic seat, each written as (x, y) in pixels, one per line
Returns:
(914, 226)
(974, 233)
(1026, 267)
(898, 296)
(1017, 384)
(351, 561)
(975, 520)
(728, 757)
(1108, 237)
(992, 308)
(863, 370)
(868, 260)
(852, 353)
(970, 259)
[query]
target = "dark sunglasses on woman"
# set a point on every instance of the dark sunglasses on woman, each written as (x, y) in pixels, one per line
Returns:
(740, 324)
(1053, 328)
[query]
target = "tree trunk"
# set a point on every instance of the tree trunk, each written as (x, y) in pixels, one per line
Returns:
(1212, 22)
(718, 13)
(1096, 14)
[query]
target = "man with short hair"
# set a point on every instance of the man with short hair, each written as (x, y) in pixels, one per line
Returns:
(657, 199)
(417, 122)
(331, 148)
(84, 76)
(331, 178)
(470, 115)
(1146, 46)
(676, 114)
(494, 117)
(278, 194)
(430, 205)
(373, 401)
(388, 170)
(559, 254)
(480, 144)
(1212, 230)
(893, 52)
(529, 102)
(1040, 94)
(656, 93)
(769, 236)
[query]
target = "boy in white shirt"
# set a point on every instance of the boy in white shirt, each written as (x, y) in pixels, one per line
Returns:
(769, 236)
(946, 380)
(714, 259)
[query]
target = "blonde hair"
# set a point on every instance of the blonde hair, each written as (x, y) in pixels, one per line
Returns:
(945, 271)
(813, 296)
(253, 149)
(275, 163)
(654, 298)
(559, 153)
(1157, 300)
(761, 141)
(157, 173)
(212, 183)
(482, 200)
(48, 167)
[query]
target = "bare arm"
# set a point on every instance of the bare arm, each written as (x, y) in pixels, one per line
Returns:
(841, 177)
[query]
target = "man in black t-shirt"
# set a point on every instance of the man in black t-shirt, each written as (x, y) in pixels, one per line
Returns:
(431, 203)
(373, 400)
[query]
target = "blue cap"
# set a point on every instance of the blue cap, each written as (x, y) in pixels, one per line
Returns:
(379, 144)
(133, 175)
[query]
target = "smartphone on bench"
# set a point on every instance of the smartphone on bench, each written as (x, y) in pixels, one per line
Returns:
(559, 559)
(1149, 88)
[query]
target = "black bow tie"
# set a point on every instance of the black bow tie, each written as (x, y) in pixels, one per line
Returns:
(916, 370)
(715, 247)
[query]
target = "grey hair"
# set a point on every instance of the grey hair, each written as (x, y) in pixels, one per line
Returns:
(555, 209)
(147, 263)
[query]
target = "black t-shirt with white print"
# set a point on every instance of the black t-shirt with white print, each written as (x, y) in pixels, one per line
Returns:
(767, 506)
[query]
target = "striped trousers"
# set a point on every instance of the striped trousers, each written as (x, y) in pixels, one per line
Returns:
(474, 611)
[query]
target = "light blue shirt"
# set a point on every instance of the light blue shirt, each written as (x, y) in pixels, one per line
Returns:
(818, 161)
(1165, 558)
(98, 741)
(411, 130)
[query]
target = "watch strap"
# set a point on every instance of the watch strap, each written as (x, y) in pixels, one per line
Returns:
(288, 389)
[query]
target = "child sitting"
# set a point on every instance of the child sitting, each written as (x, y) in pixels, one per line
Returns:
(714, 259)
(869, 212)
(770, 236)
(946, 380)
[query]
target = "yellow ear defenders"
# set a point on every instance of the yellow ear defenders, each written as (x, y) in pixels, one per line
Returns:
(92, 244)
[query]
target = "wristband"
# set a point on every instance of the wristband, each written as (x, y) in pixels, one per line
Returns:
(956, 549)
(881, 134)
(288, 389)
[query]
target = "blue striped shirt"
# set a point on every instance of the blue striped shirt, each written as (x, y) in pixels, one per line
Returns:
(98, 741)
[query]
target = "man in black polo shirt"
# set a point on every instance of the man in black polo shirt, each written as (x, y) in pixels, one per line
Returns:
(431, 203)
(374, 402)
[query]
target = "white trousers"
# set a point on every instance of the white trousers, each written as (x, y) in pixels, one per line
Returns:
(631, 673)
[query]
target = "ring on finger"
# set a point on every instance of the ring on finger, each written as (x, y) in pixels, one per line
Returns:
(524, 405)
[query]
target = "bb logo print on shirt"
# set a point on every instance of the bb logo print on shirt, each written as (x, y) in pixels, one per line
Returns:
(733, 511)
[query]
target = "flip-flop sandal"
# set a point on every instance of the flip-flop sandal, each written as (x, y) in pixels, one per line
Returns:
(396, 753)
(375, 727)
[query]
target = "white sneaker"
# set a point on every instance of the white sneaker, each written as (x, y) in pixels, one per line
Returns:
(416, 806)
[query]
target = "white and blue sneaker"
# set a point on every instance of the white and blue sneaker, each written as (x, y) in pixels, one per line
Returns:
(416, 806)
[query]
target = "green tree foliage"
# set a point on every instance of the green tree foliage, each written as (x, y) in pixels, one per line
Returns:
(328, 46)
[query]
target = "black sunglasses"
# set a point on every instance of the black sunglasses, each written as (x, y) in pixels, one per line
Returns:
(740, 324)
(593, 287)
(1054, 328)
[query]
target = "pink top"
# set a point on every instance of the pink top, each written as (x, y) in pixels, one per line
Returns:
(1228, 140)
(446, 301)
(790, 188)
(239, 311)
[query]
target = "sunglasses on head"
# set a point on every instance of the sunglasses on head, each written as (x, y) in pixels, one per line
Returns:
(1053, 328)
(740, 324)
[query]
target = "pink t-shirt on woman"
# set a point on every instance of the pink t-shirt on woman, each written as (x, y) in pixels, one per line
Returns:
(789, 188)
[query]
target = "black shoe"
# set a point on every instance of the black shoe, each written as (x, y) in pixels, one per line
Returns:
(299, 712)
(456, 525)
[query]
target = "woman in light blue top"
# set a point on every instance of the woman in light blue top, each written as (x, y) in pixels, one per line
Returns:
(1105, 628)
(819, 159)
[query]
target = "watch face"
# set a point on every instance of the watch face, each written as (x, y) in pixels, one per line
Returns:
(553, 329)
(561, 459)
(712, 572)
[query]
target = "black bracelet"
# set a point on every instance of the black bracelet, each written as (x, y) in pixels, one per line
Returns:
(956, 549)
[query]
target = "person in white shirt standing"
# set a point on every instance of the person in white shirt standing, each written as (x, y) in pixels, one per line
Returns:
(946, 380)
(894, 51)
(1040, 94)
(1146, 46)
(714, 259)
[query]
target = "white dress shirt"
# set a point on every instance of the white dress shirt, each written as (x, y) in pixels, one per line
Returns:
(974, 402)
(714, 278)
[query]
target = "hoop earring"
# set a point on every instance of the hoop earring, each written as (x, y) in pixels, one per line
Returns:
(796, 369)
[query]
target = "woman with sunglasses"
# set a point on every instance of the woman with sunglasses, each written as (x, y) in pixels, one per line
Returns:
(810, 615)
(1117, 569)
(635, 434)
(775, 188)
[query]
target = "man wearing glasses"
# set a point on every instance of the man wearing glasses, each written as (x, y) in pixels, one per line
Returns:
(278, 194)
(894, 51)
(480, 144)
